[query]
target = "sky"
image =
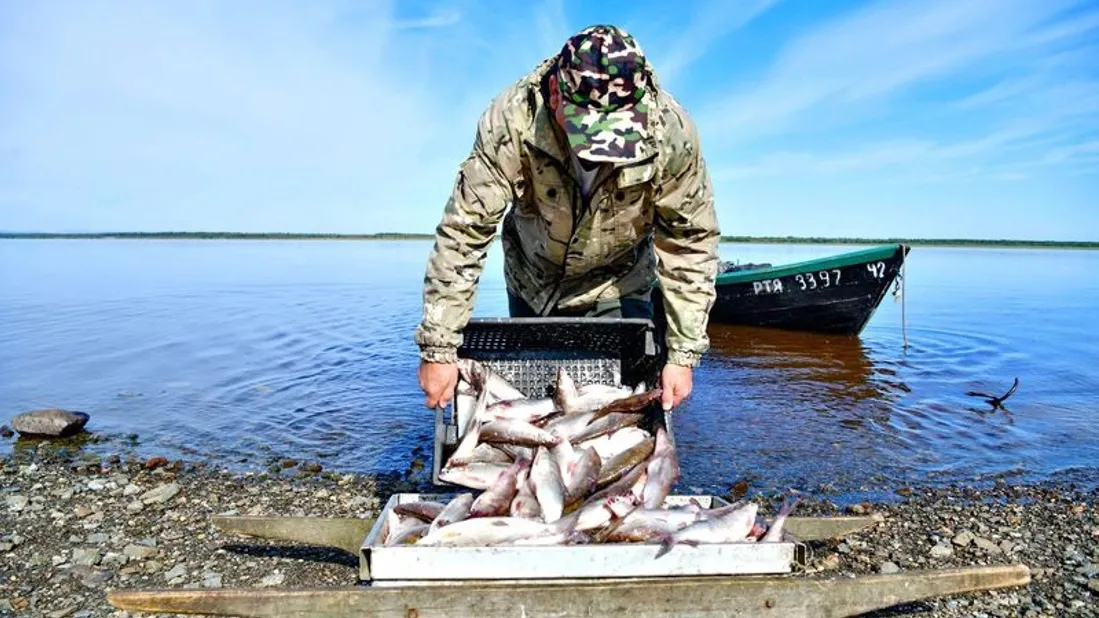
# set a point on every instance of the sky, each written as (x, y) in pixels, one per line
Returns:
(890, 118)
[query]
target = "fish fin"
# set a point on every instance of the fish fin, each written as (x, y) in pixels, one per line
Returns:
(565, 392)
(566, 524)
(667, 542)
(614, 524)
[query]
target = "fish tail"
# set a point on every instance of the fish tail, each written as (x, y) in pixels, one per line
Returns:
(567, 524)
(788, 506)
(667, 542)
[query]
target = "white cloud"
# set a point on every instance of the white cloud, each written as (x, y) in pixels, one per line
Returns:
(876, 52)
(708, 23)
(231, 115)
(1016, 94)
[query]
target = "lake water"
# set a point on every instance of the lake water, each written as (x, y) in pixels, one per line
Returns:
(245, 351)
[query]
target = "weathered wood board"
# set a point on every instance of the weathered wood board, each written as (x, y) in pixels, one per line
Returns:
(739, 597)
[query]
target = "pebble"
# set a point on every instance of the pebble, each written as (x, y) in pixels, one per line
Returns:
(211, 579)
(889, 567)
(17, 502)
(987, 545)
(160, 494)
(51, 422)
(963, 538)
(274, 579)
(178, 572)
(941, 550)
(139, 552)
(85, 557)
(174, 542)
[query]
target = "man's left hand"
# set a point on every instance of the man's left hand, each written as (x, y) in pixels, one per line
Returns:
(675, 380)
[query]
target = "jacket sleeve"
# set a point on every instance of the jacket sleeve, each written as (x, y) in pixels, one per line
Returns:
(686, 240)
(480, 195)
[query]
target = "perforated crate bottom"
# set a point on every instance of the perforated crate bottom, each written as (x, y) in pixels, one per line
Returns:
(538, 377)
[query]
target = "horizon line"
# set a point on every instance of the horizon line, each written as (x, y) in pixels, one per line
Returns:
(214, 235)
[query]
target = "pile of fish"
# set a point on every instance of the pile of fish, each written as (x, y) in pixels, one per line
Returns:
(573, 468)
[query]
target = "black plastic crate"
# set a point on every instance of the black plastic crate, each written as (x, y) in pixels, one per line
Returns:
(528, 351)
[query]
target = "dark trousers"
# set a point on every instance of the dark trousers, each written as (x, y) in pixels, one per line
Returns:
(649, 307)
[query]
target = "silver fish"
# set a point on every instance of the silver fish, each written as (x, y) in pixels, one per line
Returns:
(620, 464)
(643, 524)
(731, 527)
(496, 500)
(464, 405)
(525, 503)
(486, 531)
(584, 472)
(425, 511)
(510, 431)
(663, 471)
(557, 538)
(545, 476)
(485, 379)
(609, 503)
(608, 424)
(569, 426)
(619, 441)
(489, 453)
(455, 510)
(409, 529)
(515, 451)
(464, 452)
(564, 390)
(527, 410)
(633, 404)
(478, 475)
(774, 533)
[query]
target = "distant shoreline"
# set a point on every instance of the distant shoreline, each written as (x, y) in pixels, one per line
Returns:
(787, 240)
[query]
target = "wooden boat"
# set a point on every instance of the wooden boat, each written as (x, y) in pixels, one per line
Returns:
(789, 596)
(835, 295)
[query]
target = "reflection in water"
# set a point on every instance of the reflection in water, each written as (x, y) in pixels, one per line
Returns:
(805, 404)
(830, 367)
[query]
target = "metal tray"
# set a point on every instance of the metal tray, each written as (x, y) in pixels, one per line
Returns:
(408, 564)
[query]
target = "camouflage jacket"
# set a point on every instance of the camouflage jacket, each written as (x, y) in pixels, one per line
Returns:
(647, 222)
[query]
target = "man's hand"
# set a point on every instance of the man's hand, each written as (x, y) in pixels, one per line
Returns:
(438, 381)
(676, 383)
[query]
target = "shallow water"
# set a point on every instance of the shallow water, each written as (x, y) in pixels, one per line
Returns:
(244, 351)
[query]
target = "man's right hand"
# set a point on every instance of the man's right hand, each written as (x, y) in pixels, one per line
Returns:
(438, 381)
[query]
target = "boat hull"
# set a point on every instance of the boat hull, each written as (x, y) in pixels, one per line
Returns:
(836, 295)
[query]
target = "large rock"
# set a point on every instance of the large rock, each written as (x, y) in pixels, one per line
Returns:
(50, 423)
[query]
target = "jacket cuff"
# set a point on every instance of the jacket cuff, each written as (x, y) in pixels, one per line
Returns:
(684, 358)
(439, 354)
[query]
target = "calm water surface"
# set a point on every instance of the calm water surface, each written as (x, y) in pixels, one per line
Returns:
(245, 351)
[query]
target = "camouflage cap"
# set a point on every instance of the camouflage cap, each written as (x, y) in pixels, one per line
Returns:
(602, 75)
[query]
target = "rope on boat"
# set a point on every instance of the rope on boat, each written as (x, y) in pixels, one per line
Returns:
(904, 321)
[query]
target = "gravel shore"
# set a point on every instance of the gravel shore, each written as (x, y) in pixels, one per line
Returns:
(70, 529)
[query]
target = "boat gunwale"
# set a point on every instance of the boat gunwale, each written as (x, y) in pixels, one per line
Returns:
(850, 258)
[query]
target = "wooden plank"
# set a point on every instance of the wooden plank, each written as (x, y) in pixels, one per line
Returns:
(824, 528)
(346, 533)
(741, 597)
